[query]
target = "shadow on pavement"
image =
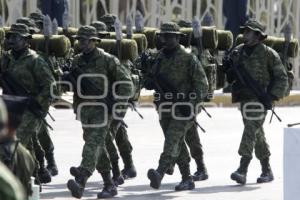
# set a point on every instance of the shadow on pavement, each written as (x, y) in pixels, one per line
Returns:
(225, 188)
(92, 188)
(165, 192)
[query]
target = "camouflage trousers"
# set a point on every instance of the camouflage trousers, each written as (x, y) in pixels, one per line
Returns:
(46, 141)
(43, 145)
(95, 131)
(193, 141)
(253, 135)
(27, 133)
(122, 141)
(175, 149)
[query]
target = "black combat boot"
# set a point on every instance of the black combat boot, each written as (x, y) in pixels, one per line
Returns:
(187, 182)
(51, 164)
(75, 171)
(117, 176)
(240, 175)
(267, 174)
(170, 170)
(129, 170)
(109, 189)
(77, 186)
(155, 177)
(44, 175)
(201, 173)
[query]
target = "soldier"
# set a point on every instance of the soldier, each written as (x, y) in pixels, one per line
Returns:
(101, 28)
(192, 136)
(176, 76)
(38, 18)
(122, 139)
(33, 29)
(44, 138)
(109, 20)
(94, 61)
(11, 188)
(111, 147)
(25, 73)
(13, 154)
(254, 60)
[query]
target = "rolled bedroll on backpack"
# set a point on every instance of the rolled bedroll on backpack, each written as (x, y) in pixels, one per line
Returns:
(129, 48)
(140, 39)
(209, 37)
(6, 28)
(69, 33)
(278, 44)
(225, 40)
(59, 45)
(149, 32)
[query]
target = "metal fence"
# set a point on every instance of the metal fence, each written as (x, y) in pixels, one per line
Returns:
(273, 13)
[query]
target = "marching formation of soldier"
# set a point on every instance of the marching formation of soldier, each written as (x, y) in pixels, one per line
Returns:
(107, 81)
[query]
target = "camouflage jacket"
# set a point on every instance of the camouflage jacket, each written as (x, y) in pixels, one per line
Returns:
(183, 72)
(103, 70)
(11, 188)
(19, 161)
(264, 66)
(33, 73)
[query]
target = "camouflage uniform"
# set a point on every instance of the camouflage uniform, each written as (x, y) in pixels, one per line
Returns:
(184, 72)
(263, 64)
(11, 188)
(12, 153)
(192, 136)
(32, 72)
(94, 154)
(96, 136)
(120, 135)
(22, 165)
(43, 138)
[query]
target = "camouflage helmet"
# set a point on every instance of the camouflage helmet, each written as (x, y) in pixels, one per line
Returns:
(170, 28)
(30, 23)
(36, 16)
(184, 23)
(254, 26)
(101, 28)
(87, 32)
(109, 20)
(19, 29)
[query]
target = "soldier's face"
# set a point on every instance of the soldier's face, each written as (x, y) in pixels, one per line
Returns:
(169, 40)
(159, 43)
(16, 42)
(86, 45)
(250, 37)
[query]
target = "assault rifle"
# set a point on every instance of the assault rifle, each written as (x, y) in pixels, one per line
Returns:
(241, 75)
